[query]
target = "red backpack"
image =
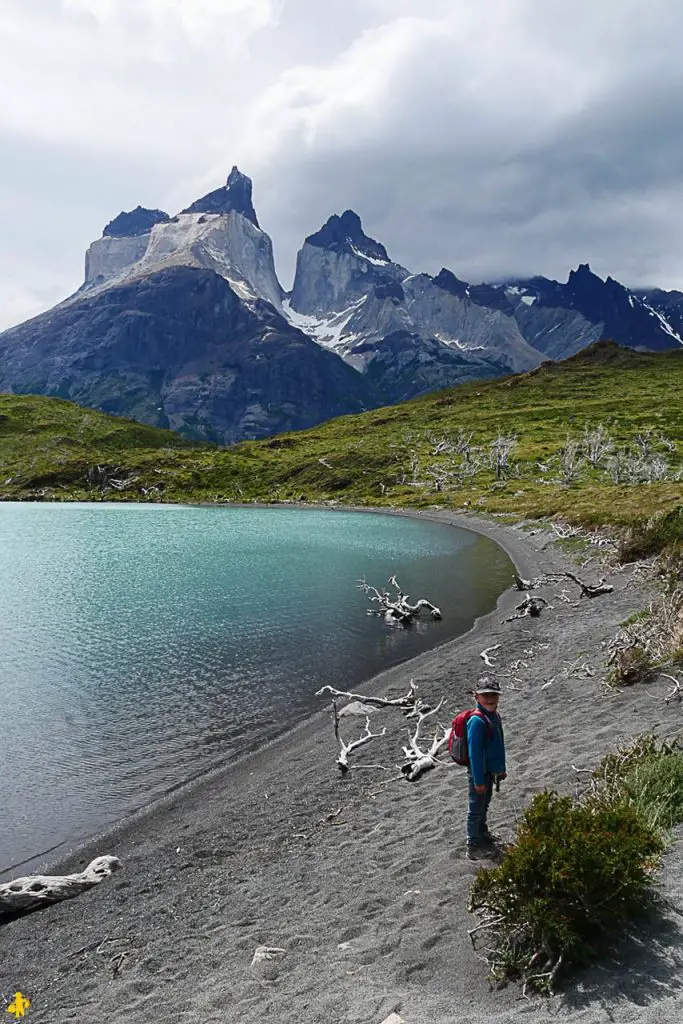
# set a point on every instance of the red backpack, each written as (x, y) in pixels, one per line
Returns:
(457, 740)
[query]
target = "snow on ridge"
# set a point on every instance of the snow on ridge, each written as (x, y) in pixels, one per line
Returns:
(664, 323)
(328, 332)
(528, 300)
(451, 342)
(364, 256)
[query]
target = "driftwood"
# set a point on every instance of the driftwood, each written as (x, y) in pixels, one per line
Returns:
(346, 748)
(407, 702)
(485, 655)
(591, 589)
(35, 891)
(400, 609)
(532, 606)
(418, 760)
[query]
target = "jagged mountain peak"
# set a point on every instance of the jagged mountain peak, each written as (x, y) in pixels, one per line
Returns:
(345, 234)
(134, 222)
(482, 294)
(447, 281)
(234, 196)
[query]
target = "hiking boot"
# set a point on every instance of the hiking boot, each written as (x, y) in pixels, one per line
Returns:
(476, 851)
(487, 837)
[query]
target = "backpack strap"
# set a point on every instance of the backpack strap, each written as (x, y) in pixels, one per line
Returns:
(489, 727)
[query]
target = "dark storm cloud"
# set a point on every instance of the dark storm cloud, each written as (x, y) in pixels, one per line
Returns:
(520, 148)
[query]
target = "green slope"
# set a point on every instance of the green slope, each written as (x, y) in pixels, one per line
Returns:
(48, 448)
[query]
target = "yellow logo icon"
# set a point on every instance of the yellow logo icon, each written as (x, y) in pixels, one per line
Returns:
(19, 1007)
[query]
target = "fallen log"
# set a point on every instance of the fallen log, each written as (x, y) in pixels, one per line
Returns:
(36, 891)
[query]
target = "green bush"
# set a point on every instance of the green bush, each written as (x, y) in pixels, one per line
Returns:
(655, 788)
(580, 870)
(567, 887)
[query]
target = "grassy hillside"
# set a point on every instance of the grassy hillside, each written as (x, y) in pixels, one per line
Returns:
(51, 449)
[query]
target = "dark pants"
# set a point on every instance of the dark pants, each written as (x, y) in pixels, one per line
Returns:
(478, 809)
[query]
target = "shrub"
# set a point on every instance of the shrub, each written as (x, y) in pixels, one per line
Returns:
(573, 879)
(630, 666)
(580, 870)
(662, 532)
(655, 788)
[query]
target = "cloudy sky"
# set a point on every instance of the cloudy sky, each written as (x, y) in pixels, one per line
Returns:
(494, 137)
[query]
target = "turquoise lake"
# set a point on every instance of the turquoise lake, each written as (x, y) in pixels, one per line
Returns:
(142, 644)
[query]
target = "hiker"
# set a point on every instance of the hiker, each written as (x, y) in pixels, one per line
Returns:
(486, 749)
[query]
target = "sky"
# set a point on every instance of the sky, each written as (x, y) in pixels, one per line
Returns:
(494, 137)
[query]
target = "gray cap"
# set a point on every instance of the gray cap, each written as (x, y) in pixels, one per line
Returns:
(486, 685)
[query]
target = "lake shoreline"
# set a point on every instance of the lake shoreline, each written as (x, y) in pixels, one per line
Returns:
(360, 880)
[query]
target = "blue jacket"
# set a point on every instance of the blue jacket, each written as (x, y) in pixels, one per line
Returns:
(486, 746)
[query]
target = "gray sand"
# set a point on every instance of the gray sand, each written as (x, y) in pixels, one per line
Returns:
(368, 904)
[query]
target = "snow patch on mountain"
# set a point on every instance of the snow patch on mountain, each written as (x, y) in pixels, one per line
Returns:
(365, 256)
(329, 332)
(665, 325)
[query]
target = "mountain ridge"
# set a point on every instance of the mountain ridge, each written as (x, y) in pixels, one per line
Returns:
(397, 334)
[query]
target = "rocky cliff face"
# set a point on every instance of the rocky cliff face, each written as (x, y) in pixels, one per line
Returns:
(226, 241)
(668, 304)
(350, 296)
(560, 319)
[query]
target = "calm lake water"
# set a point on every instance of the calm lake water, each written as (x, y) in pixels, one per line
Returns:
(141, 644)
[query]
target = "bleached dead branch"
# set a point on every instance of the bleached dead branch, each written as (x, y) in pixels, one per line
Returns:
(544, 580)
(35, 891)
(346, 748)
(406, 702)
(401, 609)
(485, 655)
(675, 693)
(531, 605)
(591, 589)
(419, 761)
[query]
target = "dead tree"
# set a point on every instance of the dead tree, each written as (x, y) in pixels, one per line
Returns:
(36, 891)
(399, 610)
(597, 444)
(500, 450)
(570, 461)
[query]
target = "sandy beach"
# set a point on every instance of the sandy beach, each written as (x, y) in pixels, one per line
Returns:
(361, 881)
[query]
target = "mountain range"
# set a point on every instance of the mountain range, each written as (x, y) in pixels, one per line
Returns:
(181, 322)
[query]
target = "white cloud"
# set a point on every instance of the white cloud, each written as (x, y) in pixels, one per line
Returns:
(504, 136)
(169, 25)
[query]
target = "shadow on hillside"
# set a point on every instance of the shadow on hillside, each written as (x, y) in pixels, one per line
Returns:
(644, 967)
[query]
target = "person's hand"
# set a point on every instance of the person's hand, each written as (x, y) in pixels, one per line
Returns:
(503, 775)
(480, 790)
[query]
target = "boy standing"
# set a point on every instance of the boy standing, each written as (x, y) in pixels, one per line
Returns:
(486, 748)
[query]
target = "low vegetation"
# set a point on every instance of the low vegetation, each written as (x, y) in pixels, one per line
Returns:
(580, 870)
(651, 641)
(594, 439)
